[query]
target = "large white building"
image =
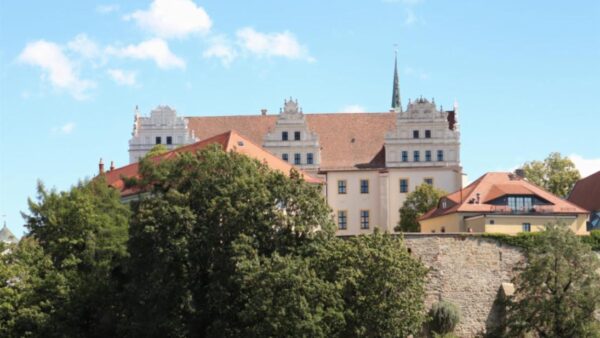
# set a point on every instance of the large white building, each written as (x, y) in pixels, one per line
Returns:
(369, 161)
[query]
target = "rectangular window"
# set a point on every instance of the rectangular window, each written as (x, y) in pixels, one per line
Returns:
(341, 186)
(415, 134)
(428, 155)
(527, 227)
(416, 156)
(427, 133)
(169, 140)
(297, 158)
(364, 219)
(440, 155)
(364, 186)
(342, 219)
(158, 140)
(520, 203)
(309, 158)
(405, 156)
(284, 157)
(404, 185)
(284, 135)
(296, 136)
(428, 180)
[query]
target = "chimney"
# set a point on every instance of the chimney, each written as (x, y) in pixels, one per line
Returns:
(263, 112)
(478, 196)
(520, 173)
(112, 165)
(101, 167)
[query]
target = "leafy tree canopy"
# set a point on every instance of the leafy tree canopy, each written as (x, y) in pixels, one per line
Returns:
(424, 198)
(556, 174)
(558, 290)
(158, 149)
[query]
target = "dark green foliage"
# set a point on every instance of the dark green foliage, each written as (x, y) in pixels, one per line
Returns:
(83, 232)
(524, 240)
(219, 245)
(558, 291)
(444, 316)
(592, 240)
(381, 285)
(556, 174)
(31, 292)
(424, 198)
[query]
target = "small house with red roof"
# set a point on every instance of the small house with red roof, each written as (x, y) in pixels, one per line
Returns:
(502, 202)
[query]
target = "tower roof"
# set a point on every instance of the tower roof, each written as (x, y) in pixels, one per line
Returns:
(396, 104)
(7, 236)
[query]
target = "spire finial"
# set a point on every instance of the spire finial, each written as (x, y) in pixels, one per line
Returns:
(396, 104)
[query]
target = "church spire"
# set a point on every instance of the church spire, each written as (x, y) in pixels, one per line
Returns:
(396, 104)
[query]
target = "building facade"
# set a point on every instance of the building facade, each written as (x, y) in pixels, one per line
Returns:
(502, 203)
(369, 162)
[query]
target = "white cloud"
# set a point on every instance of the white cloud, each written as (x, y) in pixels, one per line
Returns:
(172, 18)
(154, 49)
(272, 44)
(65, 129)
(56, 66)
(586, 166)
(122, 77)
(353, 108)
(83, 45)
(221, 48)
(106, 9)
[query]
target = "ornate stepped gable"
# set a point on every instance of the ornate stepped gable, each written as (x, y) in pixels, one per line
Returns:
(163, 126)
(425, 136)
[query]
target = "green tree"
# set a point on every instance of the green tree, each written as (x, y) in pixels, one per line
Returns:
(556, 174)
(228, 195)
(558, 290)
(158, 149)
(284, 296)
(158, 295)
(84, 232)
(381, 284)
(424, 198)
(31, 291)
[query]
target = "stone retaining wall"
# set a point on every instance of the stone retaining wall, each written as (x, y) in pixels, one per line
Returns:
(467, 270)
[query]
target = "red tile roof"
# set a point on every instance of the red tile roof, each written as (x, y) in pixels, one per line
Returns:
(586, 192)
(229, 141)
(347, 140)
(497, 184)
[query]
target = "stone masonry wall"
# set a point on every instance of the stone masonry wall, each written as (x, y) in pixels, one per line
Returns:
(467, 270)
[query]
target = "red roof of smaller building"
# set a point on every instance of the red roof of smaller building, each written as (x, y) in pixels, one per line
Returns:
(494, 185)
(586, 192)
(229, 141)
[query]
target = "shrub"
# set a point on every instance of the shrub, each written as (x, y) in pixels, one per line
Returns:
(444, 317)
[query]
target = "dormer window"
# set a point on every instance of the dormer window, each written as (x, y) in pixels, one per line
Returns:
(284, 135)
(520, 203)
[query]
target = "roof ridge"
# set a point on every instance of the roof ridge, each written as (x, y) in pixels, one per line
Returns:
(305, 113)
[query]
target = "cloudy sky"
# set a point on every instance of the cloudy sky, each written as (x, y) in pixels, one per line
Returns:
(525, 74)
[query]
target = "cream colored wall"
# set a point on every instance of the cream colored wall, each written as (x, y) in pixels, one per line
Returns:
(513, 224)
(353, 201)
(506, 224)
(445, 179)
(475, 224)
(450, 222)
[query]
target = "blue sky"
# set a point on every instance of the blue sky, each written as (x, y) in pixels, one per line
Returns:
(526, 74)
